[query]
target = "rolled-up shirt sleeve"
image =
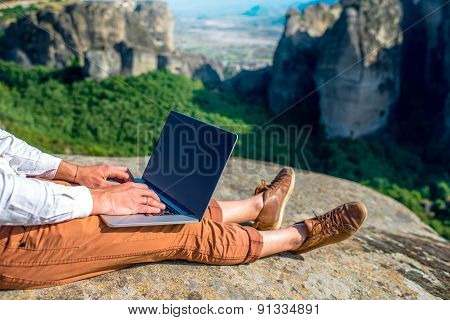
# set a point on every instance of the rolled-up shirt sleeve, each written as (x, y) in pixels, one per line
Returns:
(26, 160)
(25, 201)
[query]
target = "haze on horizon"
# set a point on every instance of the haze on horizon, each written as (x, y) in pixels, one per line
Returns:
(226, 7)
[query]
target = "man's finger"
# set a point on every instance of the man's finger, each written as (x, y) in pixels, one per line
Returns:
(130, 175)
(109, 184)
(149, 209)
(152, 202)
(123, 169)
(150, 193)
(124, 176)
(139, 185)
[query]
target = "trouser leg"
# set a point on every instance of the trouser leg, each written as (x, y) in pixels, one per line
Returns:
(43, 256)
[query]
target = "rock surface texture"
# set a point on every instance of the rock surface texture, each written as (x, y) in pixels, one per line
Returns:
(106, 39)
(394, 256)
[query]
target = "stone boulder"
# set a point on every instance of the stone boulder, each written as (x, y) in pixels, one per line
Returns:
(394, 256)
(358, 72)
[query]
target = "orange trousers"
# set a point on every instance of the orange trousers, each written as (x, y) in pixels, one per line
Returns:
(50, 255)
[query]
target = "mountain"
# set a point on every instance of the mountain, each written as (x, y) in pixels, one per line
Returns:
(104, 40)
(279, 10)
(257, 11)
(358, 69)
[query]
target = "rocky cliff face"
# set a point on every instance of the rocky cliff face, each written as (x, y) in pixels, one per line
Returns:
(439, 147)
(358, 72)
(437, 37)
(425, 75)
(104, 38)
(251, 85)
(358, 69)
(296, 56)
(195, 66)
(394, 256)
(438, 71)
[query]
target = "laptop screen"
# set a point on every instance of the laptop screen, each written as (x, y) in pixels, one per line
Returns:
(188, 160)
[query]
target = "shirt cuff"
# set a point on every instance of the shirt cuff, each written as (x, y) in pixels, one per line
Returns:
(83, 203)
(47, 166)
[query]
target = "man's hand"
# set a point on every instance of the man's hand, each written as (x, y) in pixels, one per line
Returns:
(93, 177)
(97, 176)
(126, 199)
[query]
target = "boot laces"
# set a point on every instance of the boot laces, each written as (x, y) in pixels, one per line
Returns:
(267, 187)
(331, 222)
(262, 187)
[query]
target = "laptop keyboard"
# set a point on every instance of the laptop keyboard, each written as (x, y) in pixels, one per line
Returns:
(168, 211)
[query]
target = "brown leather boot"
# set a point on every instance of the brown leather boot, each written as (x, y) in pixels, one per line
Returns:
(333, 226)
(275, 197)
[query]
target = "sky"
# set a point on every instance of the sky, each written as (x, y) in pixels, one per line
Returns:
(222, 7)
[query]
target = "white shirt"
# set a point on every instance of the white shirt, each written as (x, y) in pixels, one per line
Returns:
(26, 201)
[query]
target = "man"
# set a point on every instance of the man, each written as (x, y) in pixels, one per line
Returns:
(51, 234)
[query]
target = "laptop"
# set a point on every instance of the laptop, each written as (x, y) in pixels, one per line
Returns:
(184, 170)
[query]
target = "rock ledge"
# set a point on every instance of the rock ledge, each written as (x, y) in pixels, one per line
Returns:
(395, 256)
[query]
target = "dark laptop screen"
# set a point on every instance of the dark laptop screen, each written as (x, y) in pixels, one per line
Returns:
(188, 160)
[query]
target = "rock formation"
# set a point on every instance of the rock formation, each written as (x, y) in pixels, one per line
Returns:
(439, 146)
(250, 85)
(195, 66)
(438, 74)
(437, 45)
(405, 258)
(105, 39)
(425, 75)
(296, 56)
(358, 72)
(446, 133)
(361, 71)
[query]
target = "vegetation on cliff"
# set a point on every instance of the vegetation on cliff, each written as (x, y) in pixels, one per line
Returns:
(10, 14)
(60, 113)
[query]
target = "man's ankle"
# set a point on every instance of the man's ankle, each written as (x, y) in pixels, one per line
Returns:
(302, 235)
(259, 202)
